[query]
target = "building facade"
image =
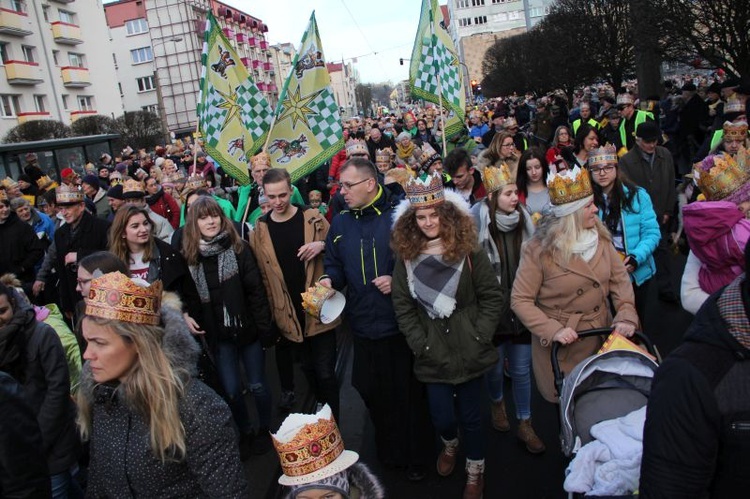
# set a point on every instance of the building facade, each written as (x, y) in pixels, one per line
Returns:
(344, 81)
(476, 24)
(54, 64)
(158, 44)
(282, 55)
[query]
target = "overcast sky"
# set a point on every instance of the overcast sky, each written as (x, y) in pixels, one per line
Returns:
(348, 28)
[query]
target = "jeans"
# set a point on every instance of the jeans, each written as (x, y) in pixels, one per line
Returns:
(64, 486)
(446, 400)
(228, 358)
(285, 363)
(319, 365)
(519, 367)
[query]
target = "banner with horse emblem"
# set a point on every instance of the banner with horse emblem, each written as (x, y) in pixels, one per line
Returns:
(308, 129)
(233, 115)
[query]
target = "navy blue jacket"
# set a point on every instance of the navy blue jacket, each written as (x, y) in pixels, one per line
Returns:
(357, 251)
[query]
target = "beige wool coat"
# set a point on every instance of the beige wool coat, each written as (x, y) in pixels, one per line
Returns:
(548, 296)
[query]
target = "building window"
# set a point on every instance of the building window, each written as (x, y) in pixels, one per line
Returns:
(536, 12)
(8, 105)
(41, 107)
(477, 3)
(18, 5)
(136, 26)
(119, 85)
(85, 103)
(28, 53)
(141, 55)
(145, 83)
(65, 101)
(480, 20)
(56, 57)
(77, 60)
(45, 12)
(67, 17)
(466, 21)
(4, 52)
(462, 4)
(114, 59)
(153, 108)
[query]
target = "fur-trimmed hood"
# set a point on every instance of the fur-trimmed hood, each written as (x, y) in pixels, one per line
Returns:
(364, 484)
(450, 195)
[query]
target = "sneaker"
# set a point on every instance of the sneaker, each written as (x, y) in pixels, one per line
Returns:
(499, 416)
(286, 401)
(447, 459)
(474, 488)
(528, 436)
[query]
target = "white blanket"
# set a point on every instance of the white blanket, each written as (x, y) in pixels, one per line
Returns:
(610, 464)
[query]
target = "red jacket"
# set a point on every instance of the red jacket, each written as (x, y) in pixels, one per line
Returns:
(163, 204)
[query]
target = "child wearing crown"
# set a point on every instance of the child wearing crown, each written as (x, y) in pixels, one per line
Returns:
(447, 302)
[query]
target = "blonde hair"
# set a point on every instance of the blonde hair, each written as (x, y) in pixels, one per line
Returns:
(557, 235)
(153, 387)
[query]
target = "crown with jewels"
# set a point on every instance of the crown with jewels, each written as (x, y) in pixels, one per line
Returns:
(495, 178)
(605, 155)
(133, 189)
(735, 131)
(383, 156)
(194, 183)
(355, 146)
(734, 105)
(426, 156)
(117, 297)
(624, 99)
(66, 194)
(425, 191)
(262, 158)
(569, 185)
(722, 177)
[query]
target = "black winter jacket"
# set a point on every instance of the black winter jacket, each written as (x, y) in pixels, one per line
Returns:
(696, 439)
(20, 248)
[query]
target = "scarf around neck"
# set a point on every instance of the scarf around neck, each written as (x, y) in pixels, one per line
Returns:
(433, 282)
(732, 309)
(586, 245)
(227, 263)
(405, 152)
(505, 222)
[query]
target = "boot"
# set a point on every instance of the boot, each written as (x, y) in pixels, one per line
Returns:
(474, 479)
(499, 416)
(528, 436)
(447, 459)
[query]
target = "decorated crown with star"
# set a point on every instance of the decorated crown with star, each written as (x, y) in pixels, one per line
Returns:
(601, 156)
(735, 131)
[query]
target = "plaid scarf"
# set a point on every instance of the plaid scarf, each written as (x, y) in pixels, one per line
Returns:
(434, 283)
(732, 310)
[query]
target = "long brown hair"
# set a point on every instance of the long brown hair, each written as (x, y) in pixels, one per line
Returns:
(117, 243)
(457, 233)
(205, 206)
(516, 234)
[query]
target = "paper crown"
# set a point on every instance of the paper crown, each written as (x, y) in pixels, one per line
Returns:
(310, 448)
(426, 156)
(735, 131)
(625, 99)
(127, 151)
(45, 183)
(510, 123)
(68, 195)
(9, 183)
(569, 185)
(605, 155)
(383, 156)
(425, 191)
(115, 178)
(3, 195)
(194, 183)
(262, 158)
(133, 189)
(722, 177)
(495, 178)
(325, 304)
(116, 296)
(355, 147)
(734, 105)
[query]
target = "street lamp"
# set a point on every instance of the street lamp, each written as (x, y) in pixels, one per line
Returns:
(159, 96)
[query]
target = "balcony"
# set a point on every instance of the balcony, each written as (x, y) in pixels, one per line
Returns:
(26, 117)
(256, 64)
(262, 86)
(75, 77)
(229, 33)
(64, 1)
(23, 73)
(14, 23)
(267, 66)
(252, 41)
(272, 88)
(241, 38)
(263, 45)
(76, 115)
(245, 61)
(66, 33)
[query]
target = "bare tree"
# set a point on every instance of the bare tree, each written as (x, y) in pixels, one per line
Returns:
(139, 129)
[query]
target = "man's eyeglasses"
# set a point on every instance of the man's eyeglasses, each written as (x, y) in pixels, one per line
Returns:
(602, 170)
(348, 185)
(623, 106)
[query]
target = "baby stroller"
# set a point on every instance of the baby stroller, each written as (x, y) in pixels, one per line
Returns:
(602, 388)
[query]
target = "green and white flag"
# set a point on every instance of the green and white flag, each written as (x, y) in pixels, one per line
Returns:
(233, 115)
(435, 70)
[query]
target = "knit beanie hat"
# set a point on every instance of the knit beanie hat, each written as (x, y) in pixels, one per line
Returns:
(92, 180)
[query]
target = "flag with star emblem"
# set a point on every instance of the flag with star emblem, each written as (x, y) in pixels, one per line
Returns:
(307, 131)
(233, 115)
(435, 68)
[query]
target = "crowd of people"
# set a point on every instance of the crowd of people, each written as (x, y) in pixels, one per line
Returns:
(139, 296)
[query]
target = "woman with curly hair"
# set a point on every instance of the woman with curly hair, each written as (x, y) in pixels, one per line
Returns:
(447, 302)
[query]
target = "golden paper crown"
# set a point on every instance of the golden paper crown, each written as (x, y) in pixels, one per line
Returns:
(313, 447)
(569, 185)
(313, 299)
(734, 105)
(495, 178)
(194, 183)
(133, 189)
(116, 296)
(625, 99)
(46, 183)
(383, 156)
(9, 183)
(426, 191)
(262, 158)
(66, 194)
(601, 156)
(355, 146)
(3, 195)
(719, 176)
(735, 131)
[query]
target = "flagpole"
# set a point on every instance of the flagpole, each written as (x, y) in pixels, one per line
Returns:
(195, 146)
(440, 85)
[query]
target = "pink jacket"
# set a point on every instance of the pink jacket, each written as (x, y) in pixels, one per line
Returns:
(717, 232)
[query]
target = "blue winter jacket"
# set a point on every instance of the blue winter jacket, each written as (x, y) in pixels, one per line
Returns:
(45, 224)
(641, 234)
(357, 251)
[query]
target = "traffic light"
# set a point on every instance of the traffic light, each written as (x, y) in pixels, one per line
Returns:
(474, 85)
(401, 61)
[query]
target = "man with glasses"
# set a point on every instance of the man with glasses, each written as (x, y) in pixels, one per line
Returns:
(651, 166)
(630, 119)
(358, 258)
(510, 125)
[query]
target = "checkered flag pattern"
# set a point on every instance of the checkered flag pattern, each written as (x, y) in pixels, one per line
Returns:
(441, 62)
(211, 116)
(256, 113)
(325, 124)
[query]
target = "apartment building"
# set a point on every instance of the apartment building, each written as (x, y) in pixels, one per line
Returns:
(344, 81)
(282, 56)
(157, 45)
(49, 50)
